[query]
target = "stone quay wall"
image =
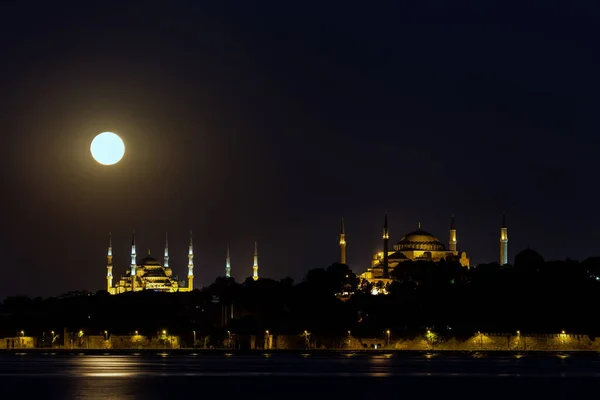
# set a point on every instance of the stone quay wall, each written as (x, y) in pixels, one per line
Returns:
(428, 342)
(481, 342)
(75, 341)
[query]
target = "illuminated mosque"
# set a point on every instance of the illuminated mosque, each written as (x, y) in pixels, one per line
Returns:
(150, 274)
(417, 245)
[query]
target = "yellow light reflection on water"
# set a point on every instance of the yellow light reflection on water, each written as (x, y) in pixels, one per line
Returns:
(105, 366)
(109, 374)
(381, 357)
(380, 374)
(378, 359)
(112, 367)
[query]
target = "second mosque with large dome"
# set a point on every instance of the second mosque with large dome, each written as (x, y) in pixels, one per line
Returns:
(414, 246)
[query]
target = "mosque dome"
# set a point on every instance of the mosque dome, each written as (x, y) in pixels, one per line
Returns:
(528, 259)
(419, 240)
(149, 260)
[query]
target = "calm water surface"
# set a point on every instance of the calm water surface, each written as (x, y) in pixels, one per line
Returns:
(163, 376)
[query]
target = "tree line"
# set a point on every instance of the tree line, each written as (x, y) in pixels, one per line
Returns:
(534, 296)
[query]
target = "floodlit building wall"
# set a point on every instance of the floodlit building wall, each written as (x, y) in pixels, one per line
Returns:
(20, 342)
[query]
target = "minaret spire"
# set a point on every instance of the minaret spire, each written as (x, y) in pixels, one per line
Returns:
(503, 241)
(342, 244)
(109, 264)
(386, 238)
(191, 264)
(166, 262)
(227, 264)
(453, 239)
(133, 261)
(255, 266)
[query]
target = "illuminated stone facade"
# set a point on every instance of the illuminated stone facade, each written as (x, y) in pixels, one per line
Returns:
(415, 246)
(20, 342)
(149, 273)
(420, 245)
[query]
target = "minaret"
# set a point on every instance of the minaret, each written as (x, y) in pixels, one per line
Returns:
(166, 263)
(503, 242)
(191, 264)
(133, 261)
(109, 264)
(227, 264)
(342, 244)
(453, 240)
(386, 239)
(255, 266)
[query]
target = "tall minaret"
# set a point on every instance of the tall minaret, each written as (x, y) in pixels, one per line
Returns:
(255, 266)
(386, 239)
(453, 240)
(227, 264)
(133, 261)
(166, 263)
(109, 264)
(342, 244)
(191, 264)
(503, 242)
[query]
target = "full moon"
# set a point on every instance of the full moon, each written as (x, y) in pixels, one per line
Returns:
(107, 148)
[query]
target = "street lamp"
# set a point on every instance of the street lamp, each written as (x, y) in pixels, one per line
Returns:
(194, 332)
(105, 335)
(388, 337)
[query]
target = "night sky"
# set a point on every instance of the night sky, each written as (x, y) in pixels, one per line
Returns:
(270, 120)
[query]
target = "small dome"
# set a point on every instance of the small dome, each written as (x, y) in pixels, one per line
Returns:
(397, 256)
(528, 258)
(419, 240)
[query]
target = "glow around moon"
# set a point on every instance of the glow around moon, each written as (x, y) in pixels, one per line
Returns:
(107, 148)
